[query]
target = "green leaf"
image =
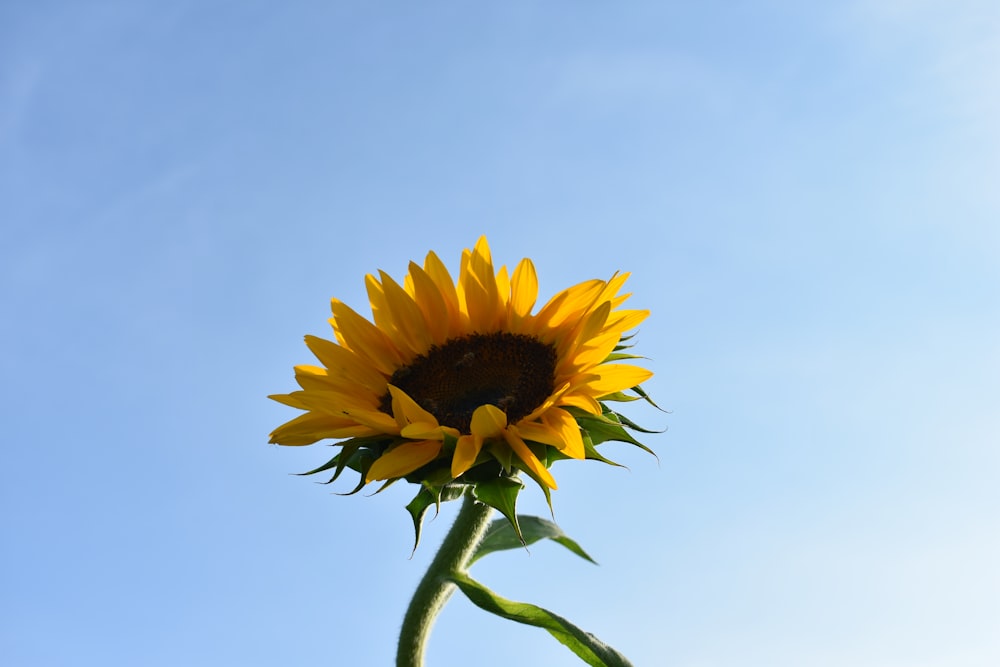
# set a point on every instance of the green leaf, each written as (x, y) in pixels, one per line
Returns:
(501, 494)
(501, 537)
(586, 646)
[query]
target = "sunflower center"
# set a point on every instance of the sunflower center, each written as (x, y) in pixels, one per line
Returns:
(514, 372)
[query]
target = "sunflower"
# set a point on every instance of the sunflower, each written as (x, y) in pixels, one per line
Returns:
(456, 381)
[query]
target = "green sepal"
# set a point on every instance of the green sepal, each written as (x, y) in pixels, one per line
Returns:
(360, 461)
(547, 455)
(642, 392)
(501, 494)
(548, 495)
(361, 484)
(620, 397)
(631, 424)
(357, 454)
(337, 461)
(347, 450)
(501, 537)
(543, 486)
(385, 485)
(550, 456)
(503, 454)
(618, 356)
(449, 442)
(427, 496)
(605, 427)
(341, 461)
(586, 646)
(590, 451)
(435, 473)
(621, 341)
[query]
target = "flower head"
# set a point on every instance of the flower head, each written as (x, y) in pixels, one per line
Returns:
(459, 382)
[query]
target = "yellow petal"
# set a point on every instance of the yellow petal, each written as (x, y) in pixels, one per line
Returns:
(588, 403)
(538, 432)
(571, 301)
(370, 343)
(523, 288)
(548, 402)
(375, 419)
(466, 452)
(614, 285)
(479, 287)
(376, 299)
(403, 459)
(334, 403)
(313, 378)
(488, 421)
(437, 272)
(623, 320)
(406, 315)
(615, 377)
(406, 411)
(422, 431)
(429, 299)
(590, 354)
(569, 431)
(343, 362)
(312, 427)
(463, 273)
(292, 400)
(503, 287)
(620, 299)
(582, 298)
(529, 459)
(584, 330)
(595, 321)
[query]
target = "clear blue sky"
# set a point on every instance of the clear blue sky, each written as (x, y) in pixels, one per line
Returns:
(807, 194)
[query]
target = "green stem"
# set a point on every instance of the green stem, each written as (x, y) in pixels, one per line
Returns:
(435, 588)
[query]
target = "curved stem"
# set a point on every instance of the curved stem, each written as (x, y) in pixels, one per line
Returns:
(435, 588)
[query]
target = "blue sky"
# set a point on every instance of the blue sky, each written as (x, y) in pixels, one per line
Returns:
(805, 193)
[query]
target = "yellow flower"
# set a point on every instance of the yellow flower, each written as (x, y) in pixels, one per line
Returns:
(462, 373)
